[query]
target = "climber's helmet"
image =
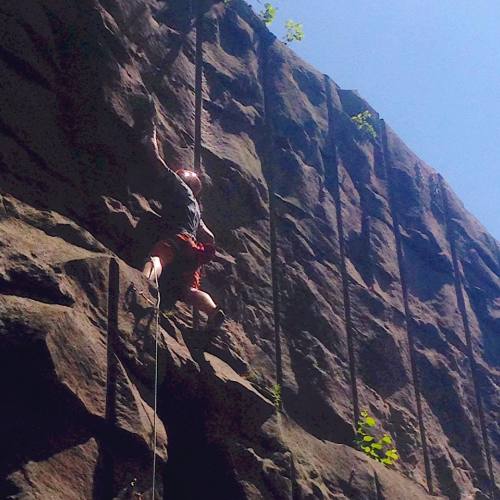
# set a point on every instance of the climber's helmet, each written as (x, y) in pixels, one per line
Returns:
(191, 179)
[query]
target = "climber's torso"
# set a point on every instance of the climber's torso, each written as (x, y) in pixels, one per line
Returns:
(180, 210)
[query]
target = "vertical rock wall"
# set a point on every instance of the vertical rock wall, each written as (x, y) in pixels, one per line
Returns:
(352, 275)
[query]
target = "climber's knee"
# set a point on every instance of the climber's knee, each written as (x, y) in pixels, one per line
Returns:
(153, 268)
(200, 300)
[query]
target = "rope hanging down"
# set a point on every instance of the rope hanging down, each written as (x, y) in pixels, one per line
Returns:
(197, 166)
(198, 105)
(157, 327)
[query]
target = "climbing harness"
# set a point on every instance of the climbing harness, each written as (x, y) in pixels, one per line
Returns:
(157, 314)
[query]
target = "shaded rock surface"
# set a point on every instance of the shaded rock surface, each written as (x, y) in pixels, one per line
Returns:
(352, 275)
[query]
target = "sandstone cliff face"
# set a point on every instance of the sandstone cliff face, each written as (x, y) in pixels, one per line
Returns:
(351, 273)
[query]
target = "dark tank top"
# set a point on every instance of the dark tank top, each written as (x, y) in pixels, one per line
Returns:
(180, 210)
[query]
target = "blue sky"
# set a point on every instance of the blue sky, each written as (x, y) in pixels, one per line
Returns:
(431, 68)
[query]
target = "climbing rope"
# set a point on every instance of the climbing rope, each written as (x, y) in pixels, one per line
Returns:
(157, 327)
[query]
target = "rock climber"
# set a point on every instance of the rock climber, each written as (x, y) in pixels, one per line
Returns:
(185, 243)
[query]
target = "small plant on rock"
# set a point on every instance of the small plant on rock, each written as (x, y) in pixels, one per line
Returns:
(362, 121)
(382, 450)
(268, 13)
(277, 396)
(294, 32)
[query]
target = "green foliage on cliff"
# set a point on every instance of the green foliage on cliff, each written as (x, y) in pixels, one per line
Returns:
(382, 450)
(268, 13)
(294, 31)
(363, 123)
(277, 396)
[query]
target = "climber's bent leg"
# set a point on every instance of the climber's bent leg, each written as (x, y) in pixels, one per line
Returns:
(160, 256)
(201, 300)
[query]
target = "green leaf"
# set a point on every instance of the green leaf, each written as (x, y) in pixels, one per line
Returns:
(371, 422)
(361, 121)
(294, 31)
(393, 454)
(268, 13)
(365, 440)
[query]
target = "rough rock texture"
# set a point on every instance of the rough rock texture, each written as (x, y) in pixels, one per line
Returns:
(351, 273)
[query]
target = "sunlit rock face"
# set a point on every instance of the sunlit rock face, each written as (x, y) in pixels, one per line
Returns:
(351, 274)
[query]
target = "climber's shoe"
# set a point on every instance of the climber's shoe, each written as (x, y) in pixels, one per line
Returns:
(216, 320)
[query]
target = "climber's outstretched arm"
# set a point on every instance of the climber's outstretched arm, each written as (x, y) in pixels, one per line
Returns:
(204, 234)
(151, 143)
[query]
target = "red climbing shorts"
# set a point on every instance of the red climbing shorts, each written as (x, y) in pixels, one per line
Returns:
(185, 256)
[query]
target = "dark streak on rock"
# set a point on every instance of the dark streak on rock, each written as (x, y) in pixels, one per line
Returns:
(111, 377)
(269, 175)
(24, 69)
(408, 315)
(458, 281)
(334, 185)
